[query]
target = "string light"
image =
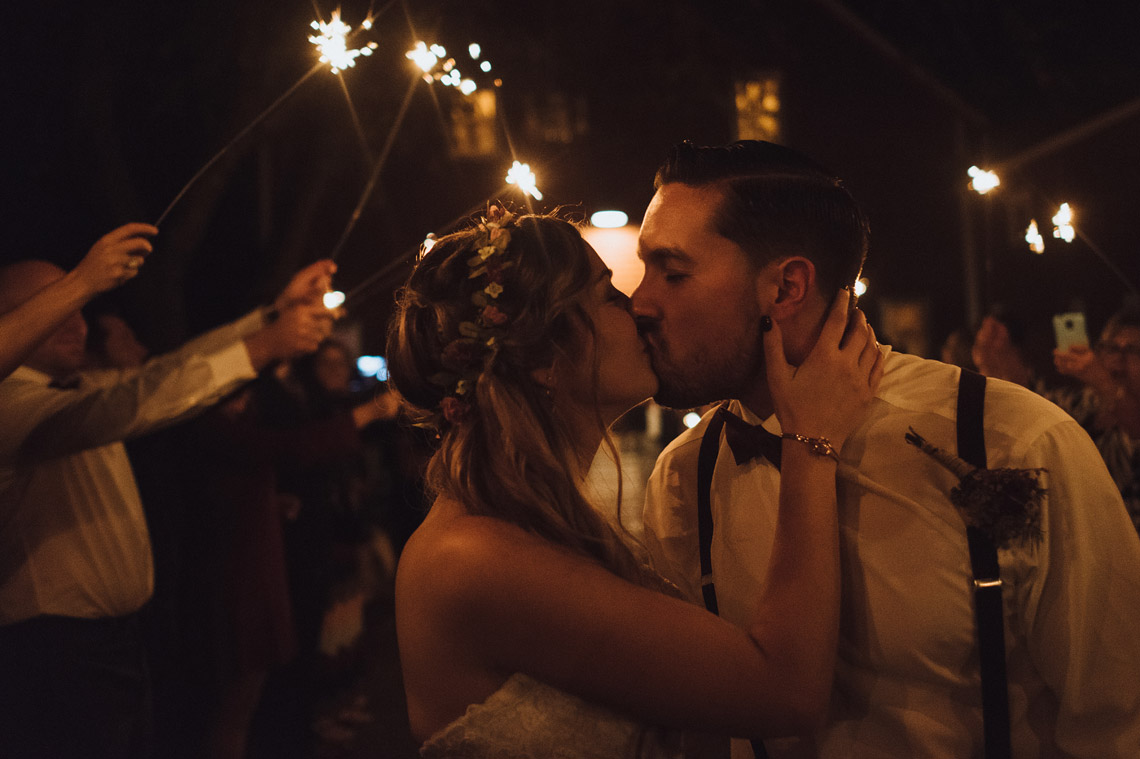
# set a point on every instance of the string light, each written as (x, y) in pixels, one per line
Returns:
(332, 43)
(1063, 223)
(521, 175)
(1034, 238)
(981, 181)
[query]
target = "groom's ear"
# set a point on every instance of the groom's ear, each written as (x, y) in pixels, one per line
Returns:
(795, 279)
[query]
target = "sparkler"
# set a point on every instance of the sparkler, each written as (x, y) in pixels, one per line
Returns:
(332, 43)
(521, 175)
(1063, 223)
(333, 300)
(430, 239)
(428, 58)
(334, 50)
(1034, 238)
(226, 148)
(982, 181)
(375, 175)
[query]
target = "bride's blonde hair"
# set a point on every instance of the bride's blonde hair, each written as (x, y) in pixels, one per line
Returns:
(509, 454)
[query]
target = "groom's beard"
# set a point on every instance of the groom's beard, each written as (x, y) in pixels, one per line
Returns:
(721, 368)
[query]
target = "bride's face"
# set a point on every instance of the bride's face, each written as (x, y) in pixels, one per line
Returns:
(625, 376)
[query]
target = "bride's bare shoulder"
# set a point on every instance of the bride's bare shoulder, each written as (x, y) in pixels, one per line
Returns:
(454, 549)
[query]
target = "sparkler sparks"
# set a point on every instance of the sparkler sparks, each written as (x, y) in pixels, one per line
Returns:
(1063, 223)
(982, 181)
(332, 43)
(333, 300)
(1034, 238)
(521, 175)
(428, 58)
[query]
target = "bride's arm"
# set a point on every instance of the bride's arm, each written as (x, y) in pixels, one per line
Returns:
(520, 604)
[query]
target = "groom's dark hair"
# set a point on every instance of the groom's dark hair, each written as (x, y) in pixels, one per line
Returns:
(777, 203)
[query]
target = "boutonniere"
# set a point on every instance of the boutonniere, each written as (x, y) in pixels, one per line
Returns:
(1005, 503)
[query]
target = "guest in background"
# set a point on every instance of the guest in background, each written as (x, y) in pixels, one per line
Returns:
(75, 556)
(1105, 399)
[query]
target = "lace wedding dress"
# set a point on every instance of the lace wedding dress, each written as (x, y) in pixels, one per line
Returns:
(526, 719)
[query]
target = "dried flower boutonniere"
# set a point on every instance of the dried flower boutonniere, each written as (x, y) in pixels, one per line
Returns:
(1005, 503)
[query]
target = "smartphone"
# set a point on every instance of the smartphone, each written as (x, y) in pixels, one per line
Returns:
(1069, 329)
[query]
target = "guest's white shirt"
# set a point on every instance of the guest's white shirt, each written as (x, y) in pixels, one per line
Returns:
(907, 682)
(73, 538)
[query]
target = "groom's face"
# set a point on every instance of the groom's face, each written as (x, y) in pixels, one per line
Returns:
(696, 305)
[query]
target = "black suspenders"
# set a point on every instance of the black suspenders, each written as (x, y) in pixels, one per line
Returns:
(706, 463)
(987, 578)
(983, 560)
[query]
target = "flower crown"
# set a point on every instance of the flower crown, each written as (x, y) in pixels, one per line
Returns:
(465, 357)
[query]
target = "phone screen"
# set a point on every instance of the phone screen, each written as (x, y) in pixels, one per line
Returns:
(1070, 330)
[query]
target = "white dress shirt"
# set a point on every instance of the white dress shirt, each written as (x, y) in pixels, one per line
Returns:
(73, 538)
(907, 682)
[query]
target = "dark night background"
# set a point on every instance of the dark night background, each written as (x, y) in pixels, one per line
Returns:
(111, 107)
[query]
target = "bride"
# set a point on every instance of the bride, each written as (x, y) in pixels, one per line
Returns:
(528, 624)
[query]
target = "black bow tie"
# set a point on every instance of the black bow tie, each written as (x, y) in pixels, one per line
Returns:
(748, 441)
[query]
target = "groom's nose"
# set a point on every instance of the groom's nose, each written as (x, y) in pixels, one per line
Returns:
(645, 312)
(641, 303)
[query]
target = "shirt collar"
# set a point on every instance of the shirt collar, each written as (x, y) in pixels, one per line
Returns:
(771, 423)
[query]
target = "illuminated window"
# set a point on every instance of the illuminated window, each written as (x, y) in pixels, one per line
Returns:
(473, 127)
(758, 109)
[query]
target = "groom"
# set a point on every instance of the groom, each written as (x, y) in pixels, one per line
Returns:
(753, 229)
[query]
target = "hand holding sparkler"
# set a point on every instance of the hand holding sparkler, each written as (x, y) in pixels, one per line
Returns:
(114, 258)
(308, 286)
(296, 331)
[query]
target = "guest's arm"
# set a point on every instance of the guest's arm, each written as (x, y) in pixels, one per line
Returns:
(112, 260)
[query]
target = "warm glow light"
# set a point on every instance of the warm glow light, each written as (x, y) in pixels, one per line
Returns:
(609, 219)
(332, 43)
(617, 247)
(1034, 238)
(474, 50)
(860, 287)
(521, 175)
(333, 300)
(982, 181)
(691, 419)
(428, 244)
(485, 66)
(1063, 223)
(467, 86)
